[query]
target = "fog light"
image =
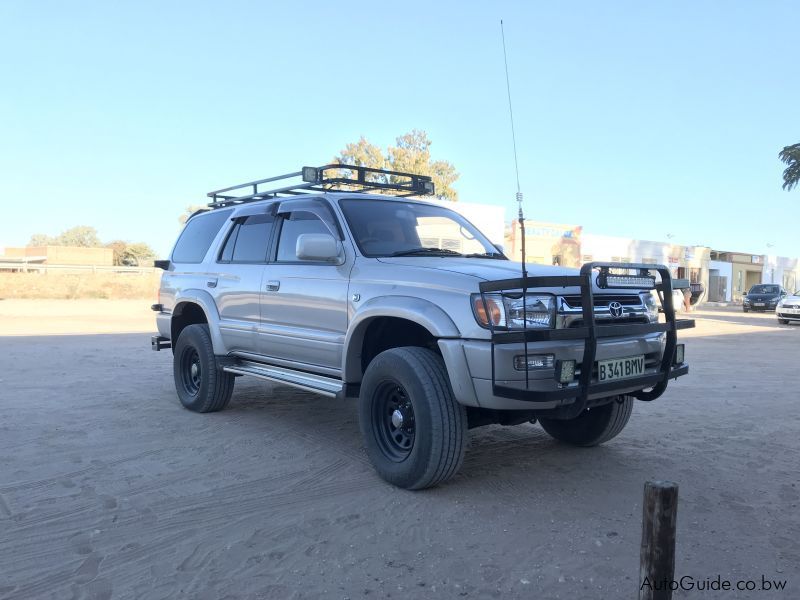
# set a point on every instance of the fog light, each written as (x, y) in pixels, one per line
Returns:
(642, 281)
(565, 371)
(310, 174)
(680, 352)
(535, 361)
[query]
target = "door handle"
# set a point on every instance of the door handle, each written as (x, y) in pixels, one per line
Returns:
(273, 286)
(212, 283)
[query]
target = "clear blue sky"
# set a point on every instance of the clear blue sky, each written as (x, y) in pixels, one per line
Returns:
(633, 118)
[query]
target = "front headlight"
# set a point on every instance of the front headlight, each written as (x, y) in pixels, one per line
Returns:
(509, 311)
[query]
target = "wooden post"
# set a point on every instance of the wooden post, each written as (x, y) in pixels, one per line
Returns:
(657, 559)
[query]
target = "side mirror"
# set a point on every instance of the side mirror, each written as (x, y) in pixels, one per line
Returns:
(500, 248)
(161, 264)
(317, 246)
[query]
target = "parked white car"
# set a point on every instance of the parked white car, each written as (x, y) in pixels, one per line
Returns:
(788, 308)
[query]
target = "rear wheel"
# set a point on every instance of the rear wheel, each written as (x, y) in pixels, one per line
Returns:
(414, 430)
(594, 425)
(201, 383)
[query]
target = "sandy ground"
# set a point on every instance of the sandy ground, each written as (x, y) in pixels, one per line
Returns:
(79, 317)
(109, 489)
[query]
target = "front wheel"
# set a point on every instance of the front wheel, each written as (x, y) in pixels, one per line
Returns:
(414, 430)
(201, 384)
(594, 425)
(783, 321)
(745, 309)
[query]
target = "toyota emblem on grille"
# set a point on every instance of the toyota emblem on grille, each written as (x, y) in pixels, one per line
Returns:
(615, 308)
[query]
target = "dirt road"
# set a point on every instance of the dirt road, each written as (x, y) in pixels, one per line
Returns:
(109, 489)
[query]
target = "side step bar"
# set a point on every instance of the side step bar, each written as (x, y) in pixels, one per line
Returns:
(326, 386)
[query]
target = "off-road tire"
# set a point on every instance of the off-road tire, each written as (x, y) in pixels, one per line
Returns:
(593, 426)
(210, 388)
(416, 376)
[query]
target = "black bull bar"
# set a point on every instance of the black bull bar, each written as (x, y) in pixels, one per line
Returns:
(651, 385)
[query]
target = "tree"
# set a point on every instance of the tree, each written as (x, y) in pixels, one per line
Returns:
(410, 155)
(190, 210)
(40, 239)
(791, 156)
(140, 254)
(126, 254)
(119, 247)
(80, 235)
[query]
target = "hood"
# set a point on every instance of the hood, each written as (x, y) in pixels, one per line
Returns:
(480, 268)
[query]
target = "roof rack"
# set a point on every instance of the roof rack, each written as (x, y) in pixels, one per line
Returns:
(326, 178)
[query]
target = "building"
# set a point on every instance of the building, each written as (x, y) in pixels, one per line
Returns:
(571, 246)
(746, 270)
(720, 281)
(546, 243)
(782, 270)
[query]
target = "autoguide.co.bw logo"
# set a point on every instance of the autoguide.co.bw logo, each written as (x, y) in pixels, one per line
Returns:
(717, 584)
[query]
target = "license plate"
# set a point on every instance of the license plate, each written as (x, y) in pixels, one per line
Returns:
(620, 368)
(792, 311)
(759, 304)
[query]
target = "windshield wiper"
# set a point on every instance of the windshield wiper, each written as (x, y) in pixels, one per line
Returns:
(493, 255)
(421, 251)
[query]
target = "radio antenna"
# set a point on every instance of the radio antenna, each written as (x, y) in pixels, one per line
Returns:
(514, 143)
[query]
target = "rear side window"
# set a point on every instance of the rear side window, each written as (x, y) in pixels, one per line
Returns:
(248, 240)
(196, 237)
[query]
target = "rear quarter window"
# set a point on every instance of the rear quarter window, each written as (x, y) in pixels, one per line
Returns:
(197, 236)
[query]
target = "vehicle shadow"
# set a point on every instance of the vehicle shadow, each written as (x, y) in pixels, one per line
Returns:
(494, 452)
(107, 382)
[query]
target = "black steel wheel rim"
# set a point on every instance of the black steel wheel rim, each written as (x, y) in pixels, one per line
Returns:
(393, 421)
(191, 371)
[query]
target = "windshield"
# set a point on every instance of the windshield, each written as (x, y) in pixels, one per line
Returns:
(765, 289)
(397, 228)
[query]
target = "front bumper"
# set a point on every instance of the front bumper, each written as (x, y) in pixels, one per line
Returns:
(765, 308)
(470, 361)
(782, 313)
(588, 343)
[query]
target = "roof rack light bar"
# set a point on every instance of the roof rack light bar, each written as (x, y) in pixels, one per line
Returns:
(351, 178)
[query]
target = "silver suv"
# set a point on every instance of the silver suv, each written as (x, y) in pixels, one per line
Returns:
(406, 306)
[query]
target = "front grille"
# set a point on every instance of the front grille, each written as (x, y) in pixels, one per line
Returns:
(570, 313)
(603, 301)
